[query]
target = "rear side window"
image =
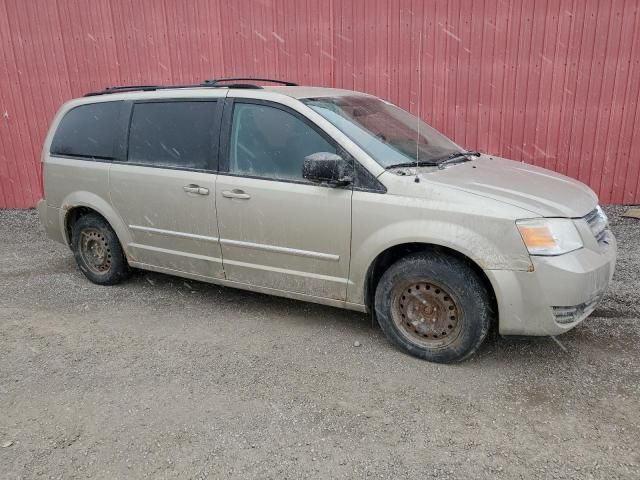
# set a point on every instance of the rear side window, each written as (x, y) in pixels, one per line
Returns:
(88, 131)
(172, 134)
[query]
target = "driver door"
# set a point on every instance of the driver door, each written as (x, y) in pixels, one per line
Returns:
(278, 230)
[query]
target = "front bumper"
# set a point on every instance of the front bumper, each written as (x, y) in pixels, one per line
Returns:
(573, 283)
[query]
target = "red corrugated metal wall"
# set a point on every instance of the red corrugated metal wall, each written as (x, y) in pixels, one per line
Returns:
(550, 82)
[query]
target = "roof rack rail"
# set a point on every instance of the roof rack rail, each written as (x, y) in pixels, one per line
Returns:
(125, 88)
(233, 79)
(215, 83)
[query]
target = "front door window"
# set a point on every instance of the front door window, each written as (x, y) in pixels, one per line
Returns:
(271, 143)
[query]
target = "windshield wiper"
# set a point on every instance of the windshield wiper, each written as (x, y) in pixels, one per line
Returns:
(457, 157)
(440, 161)
(422, 163)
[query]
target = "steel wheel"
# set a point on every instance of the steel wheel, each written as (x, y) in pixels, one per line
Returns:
(95, 250)
(426, 314)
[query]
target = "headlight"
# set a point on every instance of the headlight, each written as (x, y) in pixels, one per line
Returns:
(549, 236)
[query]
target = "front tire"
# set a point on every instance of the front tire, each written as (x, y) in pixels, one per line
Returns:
(434, 306)
(97, 251)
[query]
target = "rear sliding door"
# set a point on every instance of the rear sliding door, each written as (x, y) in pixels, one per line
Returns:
(165, 190)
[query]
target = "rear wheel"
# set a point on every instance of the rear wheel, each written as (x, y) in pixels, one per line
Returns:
(97, 251)
(434, 307)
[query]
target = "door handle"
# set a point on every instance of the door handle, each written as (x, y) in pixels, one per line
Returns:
(191, 188)
(236, 193)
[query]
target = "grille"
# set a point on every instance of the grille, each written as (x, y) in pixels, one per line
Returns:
(575, 313)
(598, 222)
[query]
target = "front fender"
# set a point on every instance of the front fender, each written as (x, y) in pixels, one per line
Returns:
(473, 243)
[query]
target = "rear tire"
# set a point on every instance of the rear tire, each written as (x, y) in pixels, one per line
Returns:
(434, 306)
(97, 250)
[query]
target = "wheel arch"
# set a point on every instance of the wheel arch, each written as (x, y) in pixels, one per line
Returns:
(77, 205)
(73, 215)
(392, 254)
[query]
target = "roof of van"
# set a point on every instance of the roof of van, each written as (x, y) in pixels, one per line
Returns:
(150, 91)
(311, 92)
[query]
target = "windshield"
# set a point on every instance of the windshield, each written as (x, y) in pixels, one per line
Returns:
(386, 132)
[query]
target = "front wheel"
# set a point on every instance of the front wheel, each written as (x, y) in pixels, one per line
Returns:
(434, 306)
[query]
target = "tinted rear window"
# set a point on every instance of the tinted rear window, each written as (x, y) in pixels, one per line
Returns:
(172, 134)
(88, 131)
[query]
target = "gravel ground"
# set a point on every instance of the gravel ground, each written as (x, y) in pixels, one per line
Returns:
(165, 378)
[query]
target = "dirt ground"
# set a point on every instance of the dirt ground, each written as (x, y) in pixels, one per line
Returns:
(167, 378)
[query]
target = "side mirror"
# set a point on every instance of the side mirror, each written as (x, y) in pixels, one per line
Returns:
(327, 168)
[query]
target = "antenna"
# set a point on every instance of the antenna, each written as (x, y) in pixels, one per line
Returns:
(417, 179)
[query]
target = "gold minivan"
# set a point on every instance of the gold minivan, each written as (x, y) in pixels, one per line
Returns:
(324, 195)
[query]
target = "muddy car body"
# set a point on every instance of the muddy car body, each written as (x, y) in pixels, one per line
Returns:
(440, 244)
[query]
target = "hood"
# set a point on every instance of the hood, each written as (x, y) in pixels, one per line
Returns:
(536, 189)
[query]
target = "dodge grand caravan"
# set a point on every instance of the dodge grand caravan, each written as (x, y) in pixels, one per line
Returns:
(324, 195)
